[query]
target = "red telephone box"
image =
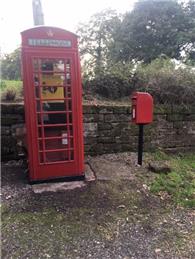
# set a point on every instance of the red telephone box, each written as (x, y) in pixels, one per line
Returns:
(53, 103)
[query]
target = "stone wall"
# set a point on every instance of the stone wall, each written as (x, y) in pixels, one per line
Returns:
(108, 129)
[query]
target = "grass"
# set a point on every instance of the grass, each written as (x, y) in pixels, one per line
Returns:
(11, 83)
(11, 87)
(180, 183)
(160, 156)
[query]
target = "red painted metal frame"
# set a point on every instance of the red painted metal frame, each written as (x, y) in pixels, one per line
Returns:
(65, 167)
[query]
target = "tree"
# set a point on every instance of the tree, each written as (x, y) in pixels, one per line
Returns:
(154, 28)
(10, 65)
(95, 39)
(189, 48)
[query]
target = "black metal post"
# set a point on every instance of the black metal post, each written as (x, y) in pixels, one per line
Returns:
(140, 143)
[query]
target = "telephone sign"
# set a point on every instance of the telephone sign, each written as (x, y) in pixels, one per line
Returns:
(49, 43)
(53, 103)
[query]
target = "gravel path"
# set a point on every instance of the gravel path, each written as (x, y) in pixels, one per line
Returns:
(118, 218)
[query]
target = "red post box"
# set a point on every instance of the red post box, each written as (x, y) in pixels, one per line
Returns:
(53, 103)
(142, 108)
(142, 113)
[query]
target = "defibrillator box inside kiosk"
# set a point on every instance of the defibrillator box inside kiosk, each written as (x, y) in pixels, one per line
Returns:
(53, 103)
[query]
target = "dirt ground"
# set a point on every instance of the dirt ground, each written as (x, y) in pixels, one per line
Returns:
(115, 216)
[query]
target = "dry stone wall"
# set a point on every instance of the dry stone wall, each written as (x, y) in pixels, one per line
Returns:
(108, 129)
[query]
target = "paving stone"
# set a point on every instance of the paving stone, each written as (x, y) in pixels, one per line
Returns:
(110, 170)
(159, 167)
(89, 174)
(57, 187)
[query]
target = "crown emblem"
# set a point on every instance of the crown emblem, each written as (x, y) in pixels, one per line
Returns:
(50, 33)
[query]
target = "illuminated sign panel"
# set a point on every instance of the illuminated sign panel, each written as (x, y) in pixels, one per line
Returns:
(50, 43)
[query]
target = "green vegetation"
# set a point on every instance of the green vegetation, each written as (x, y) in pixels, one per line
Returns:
(149, 49)
(150, 30)
(154, 28)
(160, 156)
(11, 65)
(162, 78)
(166, 82)
(110, 86)
(11, 90)
(180, 183)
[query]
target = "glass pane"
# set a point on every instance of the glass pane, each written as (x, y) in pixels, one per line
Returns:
(70, 117)
(52, 92)
(36, 80)
(55, 65)
(71, 155)
(71, 142)
(36, 85)
(57, 156)
(68, 79)
(38, 105)
(68, 72)
(67, 92)
(68, 65)
(52, 79)
(54, 106)
(55, 118)
(57, 143)
(70, 130)
(55, 131)
(69, 105)
(35, 64)
(37, 92)
(41, 157)
(40, 145)
(39, 118)
(46, 119)
(40, 132)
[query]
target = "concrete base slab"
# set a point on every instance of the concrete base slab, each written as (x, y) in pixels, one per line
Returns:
(89, 174)
(110, 170)
(105, 167)
(57, 187)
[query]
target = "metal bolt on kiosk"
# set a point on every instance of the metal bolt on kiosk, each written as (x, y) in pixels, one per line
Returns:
(142, 114)
(53, 103)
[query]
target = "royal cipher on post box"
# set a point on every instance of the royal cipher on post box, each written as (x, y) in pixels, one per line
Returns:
(53, 103)
(142, 108)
